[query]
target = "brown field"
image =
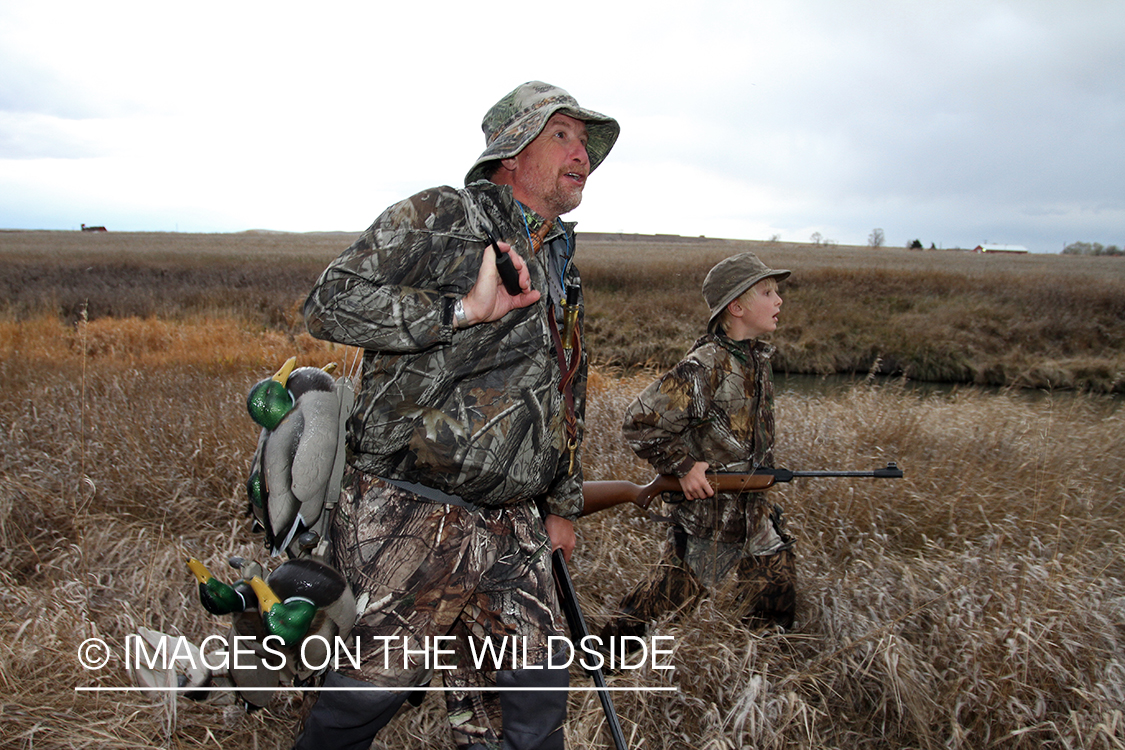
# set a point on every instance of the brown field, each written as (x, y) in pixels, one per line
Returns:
(1029, 321)
(979, 602)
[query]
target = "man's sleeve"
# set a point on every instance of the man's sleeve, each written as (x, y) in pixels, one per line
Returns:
(393, 290)
(565, 498)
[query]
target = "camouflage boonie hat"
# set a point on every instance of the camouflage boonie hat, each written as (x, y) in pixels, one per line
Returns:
(518, 118)
(730, 278)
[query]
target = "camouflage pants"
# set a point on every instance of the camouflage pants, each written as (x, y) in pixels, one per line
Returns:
(430, 569)
(764, 586)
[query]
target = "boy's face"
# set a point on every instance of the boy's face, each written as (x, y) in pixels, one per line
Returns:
(756, 312)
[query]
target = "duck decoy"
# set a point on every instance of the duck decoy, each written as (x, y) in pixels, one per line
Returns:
(182, 667)
(253, 671)
(289, 619)
(297, 466)
(270, 400)
(306, 597)
(220, 598)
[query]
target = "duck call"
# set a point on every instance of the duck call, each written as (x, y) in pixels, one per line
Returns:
(504, 266)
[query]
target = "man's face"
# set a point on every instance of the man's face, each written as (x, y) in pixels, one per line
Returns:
(549, 174)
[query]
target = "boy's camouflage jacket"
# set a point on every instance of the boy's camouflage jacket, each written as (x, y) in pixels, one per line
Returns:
(475, 412)
(716, 405)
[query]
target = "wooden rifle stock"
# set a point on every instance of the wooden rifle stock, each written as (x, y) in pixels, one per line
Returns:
(601, 495)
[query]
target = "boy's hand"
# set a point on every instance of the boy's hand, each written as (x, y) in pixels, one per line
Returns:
(694, 484)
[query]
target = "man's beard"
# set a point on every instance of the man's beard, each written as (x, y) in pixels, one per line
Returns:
(563, 199)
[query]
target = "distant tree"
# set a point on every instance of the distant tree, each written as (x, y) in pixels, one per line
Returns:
(775, 238)
(1091, 248)
(817, 238)
(914, 245)
(875, 239)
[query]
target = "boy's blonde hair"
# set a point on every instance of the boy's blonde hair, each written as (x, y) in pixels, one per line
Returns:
(767, 284)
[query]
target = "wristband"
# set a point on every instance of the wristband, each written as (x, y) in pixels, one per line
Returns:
(460, 319)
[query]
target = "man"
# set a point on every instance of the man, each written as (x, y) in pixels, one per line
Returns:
(463, 444)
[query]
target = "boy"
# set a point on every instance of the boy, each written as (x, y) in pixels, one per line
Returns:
(714, 411)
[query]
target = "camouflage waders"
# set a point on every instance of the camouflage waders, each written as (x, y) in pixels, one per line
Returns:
(763, 585)
(431, 569)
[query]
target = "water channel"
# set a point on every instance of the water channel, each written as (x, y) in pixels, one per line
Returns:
(828, 385)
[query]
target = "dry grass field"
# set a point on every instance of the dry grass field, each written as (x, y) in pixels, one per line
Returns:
(1030, 321)
(978, 602)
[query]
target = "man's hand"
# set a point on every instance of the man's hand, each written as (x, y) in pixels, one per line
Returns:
(488, 300)
(561, 532)
(694, 484)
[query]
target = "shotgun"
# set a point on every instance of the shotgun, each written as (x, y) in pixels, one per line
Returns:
(568, 600)
(601, 495)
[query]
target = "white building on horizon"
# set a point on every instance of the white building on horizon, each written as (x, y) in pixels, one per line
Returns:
(999, 249)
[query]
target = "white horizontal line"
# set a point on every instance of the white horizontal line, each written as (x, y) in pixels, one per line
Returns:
(290, 689)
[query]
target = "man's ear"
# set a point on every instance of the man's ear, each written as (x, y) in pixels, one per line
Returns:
(508, 164)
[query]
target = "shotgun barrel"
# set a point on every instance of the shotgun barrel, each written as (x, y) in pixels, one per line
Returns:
(568, 599)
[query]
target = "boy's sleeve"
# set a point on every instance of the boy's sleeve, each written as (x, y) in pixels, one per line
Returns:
(658, 423)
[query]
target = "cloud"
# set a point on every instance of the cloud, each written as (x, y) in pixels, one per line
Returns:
(954, 122)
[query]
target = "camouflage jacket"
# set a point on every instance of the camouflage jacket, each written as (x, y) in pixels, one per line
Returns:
(716, 405)
(477, 412)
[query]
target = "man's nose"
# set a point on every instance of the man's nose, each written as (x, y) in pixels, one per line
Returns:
(579, 154)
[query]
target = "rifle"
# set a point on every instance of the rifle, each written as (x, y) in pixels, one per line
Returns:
(601, 495)
(568, 599)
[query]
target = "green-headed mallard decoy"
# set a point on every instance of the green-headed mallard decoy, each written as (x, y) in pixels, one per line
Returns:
(256, 491)
(220, 598)
(270, 400)
(296, 460)
(289, 619)
(306, 597)
(254, 673)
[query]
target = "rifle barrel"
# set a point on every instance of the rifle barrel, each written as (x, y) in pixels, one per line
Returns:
(891, 471)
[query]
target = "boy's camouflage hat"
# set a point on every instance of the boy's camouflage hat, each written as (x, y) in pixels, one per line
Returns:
(730, 278)
(518, 118)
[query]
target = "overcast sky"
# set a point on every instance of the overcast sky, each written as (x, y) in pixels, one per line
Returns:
(955, 122)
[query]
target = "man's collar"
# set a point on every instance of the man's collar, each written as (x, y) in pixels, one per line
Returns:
(534, 221)
(503, 195)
